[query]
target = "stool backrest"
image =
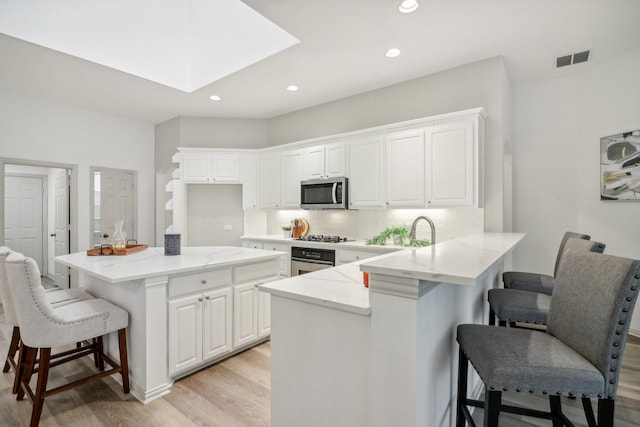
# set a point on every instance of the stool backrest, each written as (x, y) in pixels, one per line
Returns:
(5, 291)
(593, 300)
(32, 307)
(567, 235)
(581, 245)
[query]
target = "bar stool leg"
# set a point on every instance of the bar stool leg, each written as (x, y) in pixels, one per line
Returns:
(124, 362)
(13, 348)
(41, 388)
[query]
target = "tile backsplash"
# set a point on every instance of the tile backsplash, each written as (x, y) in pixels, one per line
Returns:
(365, 223)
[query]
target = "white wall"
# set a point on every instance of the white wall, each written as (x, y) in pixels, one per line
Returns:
(556, 161)
(36, 130)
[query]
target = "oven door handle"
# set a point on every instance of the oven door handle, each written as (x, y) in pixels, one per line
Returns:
(334, 193)
(312, 261)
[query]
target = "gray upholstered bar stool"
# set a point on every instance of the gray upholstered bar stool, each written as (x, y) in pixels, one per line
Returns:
(57, 299)
(580, 355)
(535, 282)
(42, 327)
(515, 305)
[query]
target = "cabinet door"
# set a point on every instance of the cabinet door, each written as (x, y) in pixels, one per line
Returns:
(185, 333)
(451, 166)
(269, 181)
(366, 173)
(225, 168)
(292, 162)
(217, 320)
(335, 160)
(405, 169)
(195, 167)
(245, 325)
(264, 314)
(250, 184)
(314, 162)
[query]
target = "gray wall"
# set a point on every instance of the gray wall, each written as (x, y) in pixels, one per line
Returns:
(206, 132)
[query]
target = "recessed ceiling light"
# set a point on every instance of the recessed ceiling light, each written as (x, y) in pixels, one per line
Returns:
(392, 53)
(292, 88)
(215, 98)
(408, 6)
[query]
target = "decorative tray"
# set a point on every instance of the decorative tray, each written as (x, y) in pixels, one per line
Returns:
(108, 250)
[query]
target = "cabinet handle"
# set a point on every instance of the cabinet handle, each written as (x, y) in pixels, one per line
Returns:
(207, 297)
(200, 299)
(204, 282)
(357, 257)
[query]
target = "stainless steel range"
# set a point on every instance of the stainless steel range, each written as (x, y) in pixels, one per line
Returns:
(305, 260)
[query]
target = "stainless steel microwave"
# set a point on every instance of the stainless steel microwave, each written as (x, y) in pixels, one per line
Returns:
(330, 193)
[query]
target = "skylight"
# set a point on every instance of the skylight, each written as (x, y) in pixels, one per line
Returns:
(183, 44)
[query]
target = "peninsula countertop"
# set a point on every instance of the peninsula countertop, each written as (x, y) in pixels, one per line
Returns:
(459, 261)
(153, 262)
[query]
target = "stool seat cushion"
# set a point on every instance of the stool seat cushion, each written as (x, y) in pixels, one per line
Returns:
(517, 359)
(79, 321)
(528, 281)
(513, 305)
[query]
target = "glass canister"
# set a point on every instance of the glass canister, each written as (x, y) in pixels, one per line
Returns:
(119, 240)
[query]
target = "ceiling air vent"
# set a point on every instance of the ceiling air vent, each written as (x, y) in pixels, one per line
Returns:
(576, 58)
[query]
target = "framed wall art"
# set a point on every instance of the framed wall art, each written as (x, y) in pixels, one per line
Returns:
(620, 166)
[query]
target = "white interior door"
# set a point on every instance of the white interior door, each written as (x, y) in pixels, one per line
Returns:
(24, 216)
(61, 221)
(117, 202)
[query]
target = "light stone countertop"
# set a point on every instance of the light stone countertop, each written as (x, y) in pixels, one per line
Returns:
(339, 287)
(153, 262)
(460, 261)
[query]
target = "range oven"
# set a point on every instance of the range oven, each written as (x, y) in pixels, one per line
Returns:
(306, 260)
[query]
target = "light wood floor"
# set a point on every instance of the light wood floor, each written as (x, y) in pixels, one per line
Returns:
(235, 392)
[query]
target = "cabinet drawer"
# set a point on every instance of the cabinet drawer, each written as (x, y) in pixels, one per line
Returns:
(257, 271)
(199, 282)
(345, 257)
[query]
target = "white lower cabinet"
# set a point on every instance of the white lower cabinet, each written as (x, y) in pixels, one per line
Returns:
(212, 314)
(285, 260)
(348, 256)
(199, 328)
(251, 314)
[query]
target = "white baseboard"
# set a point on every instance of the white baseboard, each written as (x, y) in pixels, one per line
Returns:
(634, 332)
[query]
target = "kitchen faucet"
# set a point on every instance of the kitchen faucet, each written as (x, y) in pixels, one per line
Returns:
(412, 233)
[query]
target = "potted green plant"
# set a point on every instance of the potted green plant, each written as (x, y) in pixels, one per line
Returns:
(397, 234)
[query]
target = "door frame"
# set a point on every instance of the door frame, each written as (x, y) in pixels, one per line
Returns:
(73, 194)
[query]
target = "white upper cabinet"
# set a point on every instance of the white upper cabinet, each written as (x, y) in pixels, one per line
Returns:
(404, 152)
(292, 174)
(325, 161)
(269, 180)
(208, 167)
(366, 173)
(250, 183)
(453, 167)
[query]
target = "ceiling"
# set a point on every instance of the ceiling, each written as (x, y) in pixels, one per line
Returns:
(341, 53)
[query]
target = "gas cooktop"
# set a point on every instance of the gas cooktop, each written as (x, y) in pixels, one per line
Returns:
(322, 238)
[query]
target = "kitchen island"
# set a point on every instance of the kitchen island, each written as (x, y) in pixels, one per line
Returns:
(345, 355)
(186, 311)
